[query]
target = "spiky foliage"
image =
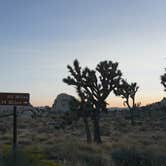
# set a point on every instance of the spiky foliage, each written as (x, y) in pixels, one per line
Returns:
(163, 80)
(128, 91)
(94, 86)
(89, 86)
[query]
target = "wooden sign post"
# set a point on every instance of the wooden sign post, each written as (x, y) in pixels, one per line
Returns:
(15, 99)
(14, 127)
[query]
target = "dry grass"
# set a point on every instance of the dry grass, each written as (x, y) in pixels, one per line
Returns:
(67, 146)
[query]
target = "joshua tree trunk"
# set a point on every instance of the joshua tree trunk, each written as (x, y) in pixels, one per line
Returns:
(96, 120)
(132, 116)
(88, 133)
(133, 110)
(131, 113)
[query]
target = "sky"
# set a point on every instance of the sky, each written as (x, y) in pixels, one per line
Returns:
(38, 38)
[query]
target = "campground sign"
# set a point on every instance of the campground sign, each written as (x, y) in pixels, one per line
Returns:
(14, 99)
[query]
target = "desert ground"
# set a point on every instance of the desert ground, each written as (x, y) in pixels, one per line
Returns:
(64, 143)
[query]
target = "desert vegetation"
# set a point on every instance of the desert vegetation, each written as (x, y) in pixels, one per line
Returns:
(65, 144)
(133, 136)
(163, 80)
(128, 91)
(94, 89)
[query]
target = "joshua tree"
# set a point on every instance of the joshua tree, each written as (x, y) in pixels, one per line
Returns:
(163, 80)
(74, 113)
(84, 112)
(128, 91)
(95, 85)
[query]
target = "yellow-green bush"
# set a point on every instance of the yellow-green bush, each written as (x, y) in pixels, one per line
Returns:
(23, 158)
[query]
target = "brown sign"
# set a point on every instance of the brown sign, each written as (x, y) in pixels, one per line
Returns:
(14, 98)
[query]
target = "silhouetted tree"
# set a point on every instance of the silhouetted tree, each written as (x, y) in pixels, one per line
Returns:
(74, 113)
(84, 112)
(163, 80)
(128, 91)
(96, 85)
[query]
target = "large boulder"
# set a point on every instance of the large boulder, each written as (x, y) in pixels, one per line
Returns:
(63, 103)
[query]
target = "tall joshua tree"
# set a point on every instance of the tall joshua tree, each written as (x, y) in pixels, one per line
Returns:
(96, 85)
(163, 80)
(85, 107)
(128, 91)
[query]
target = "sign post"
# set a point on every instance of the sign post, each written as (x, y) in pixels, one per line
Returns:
(14, 99)
(14, 128)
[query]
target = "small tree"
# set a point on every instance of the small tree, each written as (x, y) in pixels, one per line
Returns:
(95, 85)
(128, 91)
(163, 80)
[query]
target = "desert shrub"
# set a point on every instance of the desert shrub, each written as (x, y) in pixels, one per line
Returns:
(105, 130)
(87, 159)
(23, 158)
(73, 153)
(131, 157)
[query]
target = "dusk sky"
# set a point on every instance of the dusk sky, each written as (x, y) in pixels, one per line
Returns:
(38, 38)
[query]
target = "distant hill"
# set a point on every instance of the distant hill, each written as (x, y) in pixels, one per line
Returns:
(116, 108)
(161, 105)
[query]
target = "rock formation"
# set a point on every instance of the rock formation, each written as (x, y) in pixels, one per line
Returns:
(62, 103)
